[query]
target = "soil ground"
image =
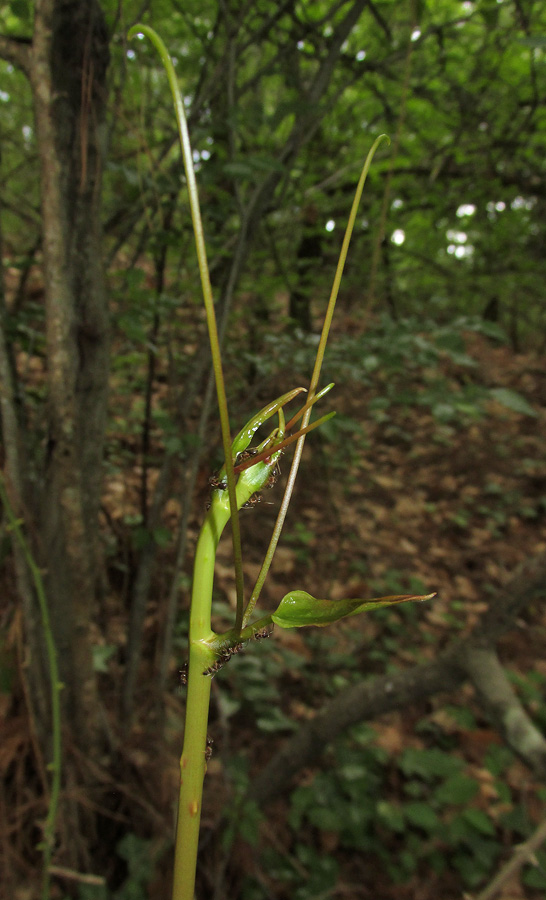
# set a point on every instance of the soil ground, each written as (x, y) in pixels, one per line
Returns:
(397, 497)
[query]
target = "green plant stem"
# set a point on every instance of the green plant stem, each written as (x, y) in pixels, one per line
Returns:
(202, 654)
(281, 516)
(192, 771)
(339, 272)
(201, 657)
(207, 298)
(231, 637)
(54, 767)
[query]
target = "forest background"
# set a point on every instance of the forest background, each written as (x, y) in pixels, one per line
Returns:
(404, 751)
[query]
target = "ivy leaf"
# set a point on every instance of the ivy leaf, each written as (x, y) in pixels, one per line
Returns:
(298, 608)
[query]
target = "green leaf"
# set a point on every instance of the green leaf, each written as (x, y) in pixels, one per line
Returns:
(246, 434)
(457, 789)
(102, 653)
(275, 720)
(21, 9)
(298, 608)
(265, 164)
(422, 816)
(512, 400)
(162, 536)
(249, 817)
(391, 816)
(325, 818)
(479, 820)
(238, 169)
(428, 763)
(535, 877)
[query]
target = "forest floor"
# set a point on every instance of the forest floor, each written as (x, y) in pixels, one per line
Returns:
(419, 498)
(418, 485)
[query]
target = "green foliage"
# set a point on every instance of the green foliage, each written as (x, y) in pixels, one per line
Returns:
(302, 539)
(439, 825)
(534, 876)
(512, 400)
(464, 192)
(7, 664)
(342, 800)
(428, 764)
(102, 653)
(242, 816)
(480, 68)
(140, 858)
(306, 873)
(140, 864)
(419, 365)
(253, 683)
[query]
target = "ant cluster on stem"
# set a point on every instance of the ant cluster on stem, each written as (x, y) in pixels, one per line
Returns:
(220, 484)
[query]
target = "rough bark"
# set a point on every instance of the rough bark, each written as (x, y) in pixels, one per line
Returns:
(14, 483)
(66, 63)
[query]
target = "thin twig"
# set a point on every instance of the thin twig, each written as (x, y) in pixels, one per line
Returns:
(56, 687)
(523, 854)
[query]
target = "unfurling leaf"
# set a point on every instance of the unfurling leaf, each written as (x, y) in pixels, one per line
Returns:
(298, 608)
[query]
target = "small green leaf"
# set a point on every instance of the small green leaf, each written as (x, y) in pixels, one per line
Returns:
(512, 400)
(422, 816)
(238, 169)
(391, 816)
(298, 608)
(274, 721)
(536, 877)
(102, 653)
(21, 9)
(457, 789)
(428, 763)
(162, 536)
(479, 820)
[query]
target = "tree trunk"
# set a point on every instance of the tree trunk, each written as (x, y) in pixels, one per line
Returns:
(68, 63)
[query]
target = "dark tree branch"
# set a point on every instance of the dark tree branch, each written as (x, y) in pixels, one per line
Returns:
(380, 20)
(502, 706)
(265, 29)
(16, 51)
(361, 702)
(337, 40)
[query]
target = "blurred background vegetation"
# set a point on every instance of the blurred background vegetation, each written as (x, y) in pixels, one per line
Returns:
(431, 476)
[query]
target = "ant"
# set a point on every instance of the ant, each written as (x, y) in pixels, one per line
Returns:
(252, 501)
(264, 633)
(225, 655)
(216, 484)
(183, 674)
(275, 472)
(244, 455)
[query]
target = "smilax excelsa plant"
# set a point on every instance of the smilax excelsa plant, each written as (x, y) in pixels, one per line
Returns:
(246, 471)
